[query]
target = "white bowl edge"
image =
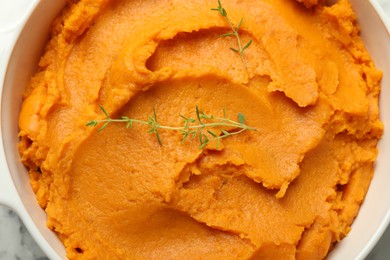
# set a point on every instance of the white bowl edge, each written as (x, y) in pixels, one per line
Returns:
(365, 214)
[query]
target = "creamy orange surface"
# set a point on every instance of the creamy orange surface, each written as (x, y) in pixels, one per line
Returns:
(290, 190)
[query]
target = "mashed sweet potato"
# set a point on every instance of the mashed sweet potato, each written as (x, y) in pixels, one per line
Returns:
(289, 190)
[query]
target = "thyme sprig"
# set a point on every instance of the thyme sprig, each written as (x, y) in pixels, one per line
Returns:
(240, 50)
(206, 127)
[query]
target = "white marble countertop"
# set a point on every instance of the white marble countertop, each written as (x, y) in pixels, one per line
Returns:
(17, 244)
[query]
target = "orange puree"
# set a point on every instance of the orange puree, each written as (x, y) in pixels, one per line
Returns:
(289, 190)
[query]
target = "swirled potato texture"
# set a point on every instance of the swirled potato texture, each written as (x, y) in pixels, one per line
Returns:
(289, 190)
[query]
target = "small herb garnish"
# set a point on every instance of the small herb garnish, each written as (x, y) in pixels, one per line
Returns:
(234, 32)
(205, 127)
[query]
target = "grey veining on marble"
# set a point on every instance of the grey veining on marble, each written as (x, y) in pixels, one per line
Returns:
(17, 244)
(15, 241)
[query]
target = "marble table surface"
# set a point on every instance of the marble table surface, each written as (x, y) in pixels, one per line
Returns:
(17, 244)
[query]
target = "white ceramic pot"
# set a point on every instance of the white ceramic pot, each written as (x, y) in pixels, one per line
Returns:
(21, 46)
